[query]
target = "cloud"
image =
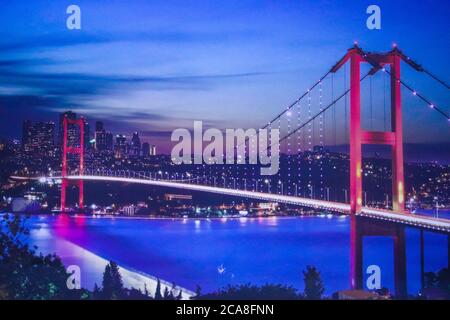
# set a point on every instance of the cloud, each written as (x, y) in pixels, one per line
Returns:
(20, 63)
(24, 103)
(65, 39)
(38, 88)
(76, 84)
(51, 41)
(14, 109)
(85, 91)
(156, 133)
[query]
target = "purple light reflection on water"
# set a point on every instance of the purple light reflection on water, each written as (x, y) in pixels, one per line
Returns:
(216, 252)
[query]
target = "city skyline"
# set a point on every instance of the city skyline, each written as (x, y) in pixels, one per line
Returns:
(45, 138)
(431, 152)
(164, 68)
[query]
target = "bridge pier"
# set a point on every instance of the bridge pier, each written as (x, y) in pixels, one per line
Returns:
(400, 262)
(356, 255)
(361, 228)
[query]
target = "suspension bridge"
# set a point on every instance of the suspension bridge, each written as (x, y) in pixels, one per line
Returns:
(302, 127)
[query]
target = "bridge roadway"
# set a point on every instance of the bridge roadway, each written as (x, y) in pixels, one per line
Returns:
(442, 225)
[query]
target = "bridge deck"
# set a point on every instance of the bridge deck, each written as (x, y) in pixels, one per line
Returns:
(442, 225)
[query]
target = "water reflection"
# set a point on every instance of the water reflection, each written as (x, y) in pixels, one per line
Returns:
(255, 250)
(363, 228)
(243, 221)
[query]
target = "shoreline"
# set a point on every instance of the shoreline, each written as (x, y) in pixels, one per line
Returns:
(421, 212)
(145, 217)
(93, 271)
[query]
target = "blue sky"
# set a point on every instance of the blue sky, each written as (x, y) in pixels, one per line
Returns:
(153, 66)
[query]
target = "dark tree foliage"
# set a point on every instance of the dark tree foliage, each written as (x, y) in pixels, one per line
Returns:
(112, 283)
(439, 280)
(158, 295)
(96, 293)
(313, 283)
(444, 279)
(198, 291)
(253, 292)
(25, 274)
(136, 294)
(430, 279)
(167, 294)
(113, 288)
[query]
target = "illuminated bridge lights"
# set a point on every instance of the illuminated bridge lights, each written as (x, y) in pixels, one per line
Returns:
(387, 215)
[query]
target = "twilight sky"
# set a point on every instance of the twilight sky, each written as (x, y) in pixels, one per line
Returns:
(153, 66)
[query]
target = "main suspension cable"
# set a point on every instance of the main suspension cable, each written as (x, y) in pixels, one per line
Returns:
(318, 114)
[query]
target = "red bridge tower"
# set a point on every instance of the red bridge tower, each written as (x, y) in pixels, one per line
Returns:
(359, 136)
(72, 150)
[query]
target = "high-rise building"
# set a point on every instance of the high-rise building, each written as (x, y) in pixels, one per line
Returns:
(103, 139)
(145, 149)
(100, 140)
(72, 137)
(135, 148)
(73, 131)
(38, 138)
(153, 150)
(26, 132)
(120, 148)
(109, 141)
(87, 135)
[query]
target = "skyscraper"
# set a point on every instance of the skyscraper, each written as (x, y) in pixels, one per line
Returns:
(73, 132)
(87, 135)
(26, 132)
(109, 141)
(38, 138)
(135, 149)
(153, 150)
(100, 140)
(145, 149)
(103, 139)
(120, 148)
(72, 137)
(100, 136)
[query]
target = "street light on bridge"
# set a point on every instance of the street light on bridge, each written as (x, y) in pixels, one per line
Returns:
(281, 184)
(266, 181)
